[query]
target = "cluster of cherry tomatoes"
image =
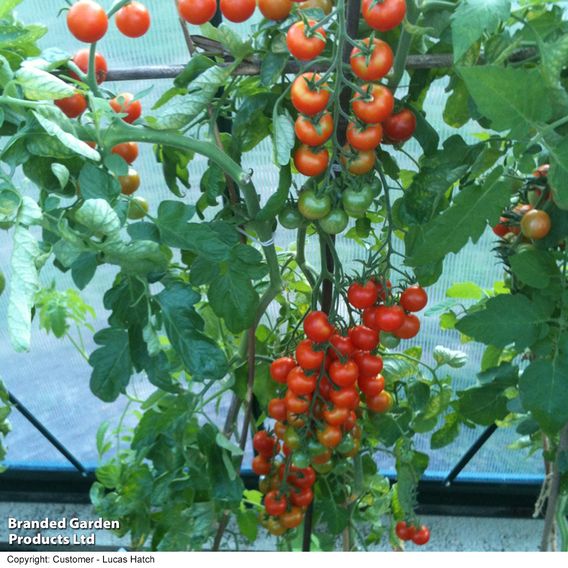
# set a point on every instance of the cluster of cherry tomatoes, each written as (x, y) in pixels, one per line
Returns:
(395, 321)
(533, 224)
(198, 12)
(418, 535)
(332, 380)
(88, 22)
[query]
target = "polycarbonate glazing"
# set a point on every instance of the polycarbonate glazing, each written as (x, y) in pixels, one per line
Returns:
(53, 380)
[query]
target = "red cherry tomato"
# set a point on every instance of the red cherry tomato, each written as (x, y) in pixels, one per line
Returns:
(197, 12)
(305, 46)
(81, 59)
(300, 383)
(385, 15)
(302, 478)
(366, 138)
(277, 409)
(275, 9)
(362, 296)
(237, 10)
(275, 503)
(414, 299)
(373, 66)
(87, 21)
(265, 444)
(133, 20)
(409, 328)
(345, 398)
(378, 109)
(400, 127)
(314, 133)
(404, 531)
(317, 327)
(73, 106)
(307, 358)
(336, 416)
(371, 386)
(422, 536)
(369, 365)
(301, 497)
(124, 104)
(260, 465)
(364, 338)
(280, 368)
(342, 346)
(296, 404)
(344, 374)
(310, 162)
(306, 97)
(389, 318)
(128, 151)
(370, 318)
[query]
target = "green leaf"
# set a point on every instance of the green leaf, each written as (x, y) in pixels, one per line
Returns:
(271, 68)
(230, 39)
(233, 297)
(24, 285)
(558, 174)
(456, 111)
(111, 364)
(95, 182)
(543, 388)
(537, 268)
(512, 99)
(68, 140)
(284, 137)
(487, 403)
(172, 221)
(454, 359)
(38, 85)
(184, 327)
(138, 257)
(61, 173)
(196, 65)
(7, 6)
(99, 217)
(466, 219)
(465, 291)
(180, 111)
(447, 433)
(473, 18)
(83, 269)
(248, 524)
(505, 320)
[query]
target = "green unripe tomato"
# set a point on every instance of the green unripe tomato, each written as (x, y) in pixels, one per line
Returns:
(315, 448)
(137, 208)
(290, 218)
(334, 222)
(300, 459)
(292, 439)
(357, 202)
(313, 207)
(323, 468)
(346, 445)
(389, 341)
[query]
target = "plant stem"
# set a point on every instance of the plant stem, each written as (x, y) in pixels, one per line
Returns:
(403, 48)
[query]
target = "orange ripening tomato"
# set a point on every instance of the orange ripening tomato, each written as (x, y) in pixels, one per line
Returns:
(275, 9)
(197, 12)
(81, 59)
(237, 10)
(366, 138)
(308, 98)
(124, 104)
(128, 151)
(311, 162)
(358, 162)
(380, 403)
(133, 20)
(314, 133)
(87, 21)
(536, 224)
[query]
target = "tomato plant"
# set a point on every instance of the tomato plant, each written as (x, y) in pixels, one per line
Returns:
(205, 305)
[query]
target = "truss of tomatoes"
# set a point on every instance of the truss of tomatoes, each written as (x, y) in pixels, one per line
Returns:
(332, 380)
(373, 118)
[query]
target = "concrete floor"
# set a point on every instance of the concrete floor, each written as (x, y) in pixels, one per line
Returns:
(456, 534)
